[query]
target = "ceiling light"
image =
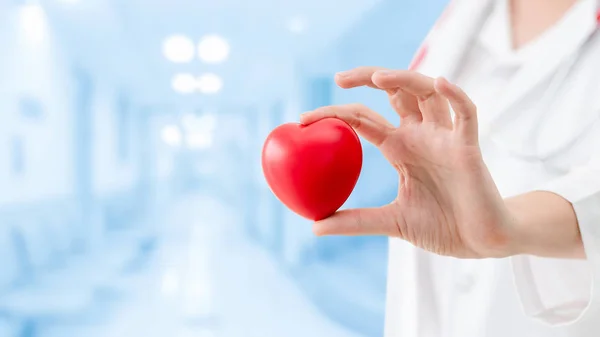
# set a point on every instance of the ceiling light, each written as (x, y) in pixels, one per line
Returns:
(184, 83)
(213, 49)
(209, 84)
(178, 49)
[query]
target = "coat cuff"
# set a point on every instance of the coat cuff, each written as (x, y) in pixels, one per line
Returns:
(559, 291)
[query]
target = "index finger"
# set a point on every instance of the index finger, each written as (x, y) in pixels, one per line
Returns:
(409, 81)
(357, 77)
(366, 122)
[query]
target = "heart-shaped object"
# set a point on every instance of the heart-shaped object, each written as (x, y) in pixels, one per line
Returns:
(312, 169)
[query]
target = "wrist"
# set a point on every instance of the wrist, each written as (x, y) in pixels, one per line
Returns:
(517, 241)
(541, 224)
(504, 239)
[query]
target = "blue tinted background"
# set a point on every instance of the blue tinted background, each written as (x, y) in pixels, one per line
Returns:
(129, 209)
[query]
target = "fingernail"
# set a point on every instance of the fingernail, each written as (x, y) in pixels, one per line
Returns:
(343, 74)
(317, 230)
(303, 117)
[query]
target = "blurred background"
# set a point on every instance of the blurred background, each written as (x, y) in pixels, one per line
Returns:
(132, 201)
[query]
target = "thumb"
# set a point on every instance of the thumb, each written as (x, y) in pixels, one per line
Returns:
(361, 221)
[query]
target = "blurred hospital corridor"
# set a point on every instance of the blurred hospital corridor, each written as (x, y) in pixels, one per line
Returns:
(132, 198)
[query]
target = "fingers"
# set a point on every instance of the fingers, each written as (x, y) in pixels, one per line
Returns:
(409, 81)
(406, 106)
(465, 110)
(356, 77)
(432, 107)
(417, 97)
(365, 221)
(435, 110)
(382, 78)
(367, 123)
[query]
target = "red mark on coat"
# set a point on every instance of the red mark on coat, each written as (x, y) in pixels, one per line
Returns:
(419, 57)
(422, 52)
(598, 17)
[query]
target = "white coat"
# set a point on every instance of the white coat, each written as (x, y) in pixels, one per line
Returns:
(543, 134)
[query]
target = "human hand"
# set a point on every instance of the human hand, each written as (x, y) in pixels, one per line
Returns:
(447, 202)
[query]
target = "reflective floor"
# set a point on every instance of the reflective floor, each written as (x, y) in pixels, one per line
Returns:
(204, 279)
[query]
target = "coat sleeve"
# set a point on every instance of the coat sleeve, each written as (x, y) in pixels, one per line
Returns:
(562, 292)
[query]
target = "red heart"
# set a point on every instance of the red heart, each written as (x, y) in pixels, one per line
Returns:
(312, 169)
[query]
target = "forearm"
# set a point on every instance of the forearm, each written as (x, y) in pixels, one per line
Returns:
(544, 224)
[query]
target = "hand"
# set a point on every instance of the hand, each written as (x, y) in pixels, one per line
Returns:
(447, 202)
